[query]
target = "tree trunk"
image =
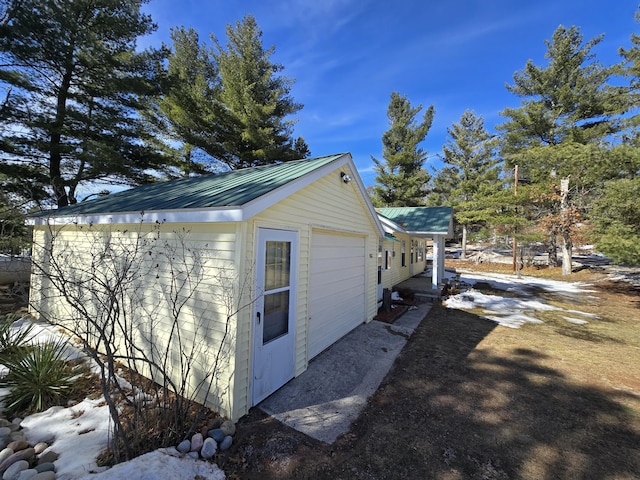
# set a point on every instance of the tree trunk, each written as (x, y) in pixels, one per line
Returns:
(567, 244)
(55, 141)
(463, 254)
(553, 251)
(567, 253)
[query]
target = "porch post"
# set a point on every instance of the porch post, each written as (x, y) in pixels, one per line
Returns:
(438, 261)
(441, 260)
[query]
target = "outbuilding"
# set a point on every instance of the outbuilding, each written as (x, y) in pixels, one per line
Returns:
(303, 236)
(282, 261)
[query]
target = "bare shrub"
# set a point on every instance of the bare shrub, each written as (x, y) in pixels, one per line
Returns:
(153, 301)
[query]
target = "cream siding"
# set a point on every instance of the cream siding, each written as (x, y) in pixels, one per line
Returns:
(330, 205)
(397, 273)
(76, 249)
(326, 204)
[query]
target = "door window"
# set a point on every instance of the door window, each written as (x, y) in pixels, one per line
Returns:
(277, 275)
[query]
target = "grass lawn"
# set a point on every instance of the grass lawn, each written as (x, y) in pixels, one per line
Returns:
(469, 399)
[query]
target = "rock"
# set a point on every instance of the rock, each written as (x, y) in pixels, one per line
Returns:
(18, 445)
(209, 448)
(196, 442)
(184, 446)
(16, 457)
(4, 422)
(216, 423)
(5, 431)
(40, 447)
(45, 476)
(228, 428)
(226, 443)
(19, 435)
(17, 421)
(6, 453)
(217, 434)
(204, 432)
(48, 457)
(194, 455)
(14, 470)
(27, 474)
(45, 467)
(13, 427)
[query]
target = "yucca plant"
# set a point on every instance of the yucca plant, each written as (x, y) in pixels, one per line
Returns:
(12, 340)
(38, 379)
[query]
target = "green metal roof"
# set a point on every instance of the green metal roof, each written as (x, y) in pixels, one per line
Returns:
(227, 189)
(420, 219)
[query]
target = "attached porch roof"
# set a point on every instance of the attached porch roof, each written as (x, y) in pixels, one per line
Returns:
(422, 221)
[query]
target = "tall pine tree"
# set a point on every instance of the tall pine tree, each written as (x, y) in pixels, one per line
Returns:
(401, 179)
(473, 173)
(567, 110)
(257, 99)
(72, 83)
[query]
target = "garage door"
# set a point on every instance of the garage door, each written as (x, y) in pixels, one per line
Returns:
(336, 288)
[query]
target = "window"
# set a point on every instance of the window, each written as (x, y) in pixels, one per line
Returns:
(387, 260)
(403, 254)
(412, 250)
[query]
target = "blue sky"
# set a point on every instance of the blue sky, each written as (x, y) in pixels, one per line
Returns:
(347, 56)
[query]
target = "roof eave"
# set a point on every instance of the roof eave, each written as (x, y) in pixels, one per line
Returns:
(217, 214)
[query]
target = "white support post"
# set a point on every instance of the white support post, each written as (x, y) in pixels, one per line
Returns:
(438, 262)
(441, 260)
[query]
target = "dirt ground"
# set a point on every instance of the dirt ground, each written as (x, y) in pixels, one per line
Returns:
(467, 399)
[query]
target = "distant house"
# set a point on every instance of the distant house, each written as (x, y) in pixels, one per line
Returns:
(306, 234)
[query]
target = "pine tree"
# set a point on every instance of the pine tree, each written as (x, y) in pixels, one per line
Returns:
(257, 99)
(473, 171)
(567, 110)
(632, 72)
(72, 82)
(401, 179)
(188, 117)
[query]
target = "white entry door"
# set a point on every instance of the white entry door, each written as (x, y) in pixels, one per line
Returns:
(274, 312)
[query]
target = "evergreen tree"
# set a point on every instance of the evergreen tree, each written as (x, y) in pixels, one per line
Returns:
(615, 214)
(567, 111)
(632, 72)
(257, 99)
(72, 81)
(401, 179)
(473, 171)
(616, 217)
(188, 111)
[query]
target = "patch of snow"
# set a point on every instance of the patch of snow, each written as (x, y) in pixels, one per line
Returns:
(395, 296)
(161, 464)
(81, 432)
(514, 321)
(513, 312)
(584, 314)
(78, 434)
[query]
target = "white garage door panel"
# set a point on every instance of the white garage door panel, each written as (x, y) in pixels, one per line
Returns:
(337, 288)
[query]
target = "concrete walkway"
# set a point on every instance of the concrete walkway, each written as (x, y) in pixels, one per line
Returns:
(324, 400)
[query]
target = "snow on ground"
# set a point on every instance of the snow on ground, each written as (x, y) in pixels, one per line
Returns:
(524, 298)
(80, 432)
(161, 464)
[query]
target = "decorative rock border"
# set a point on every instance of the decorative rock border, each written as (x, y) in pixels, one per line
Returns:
(21, 461)
(215, 437)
